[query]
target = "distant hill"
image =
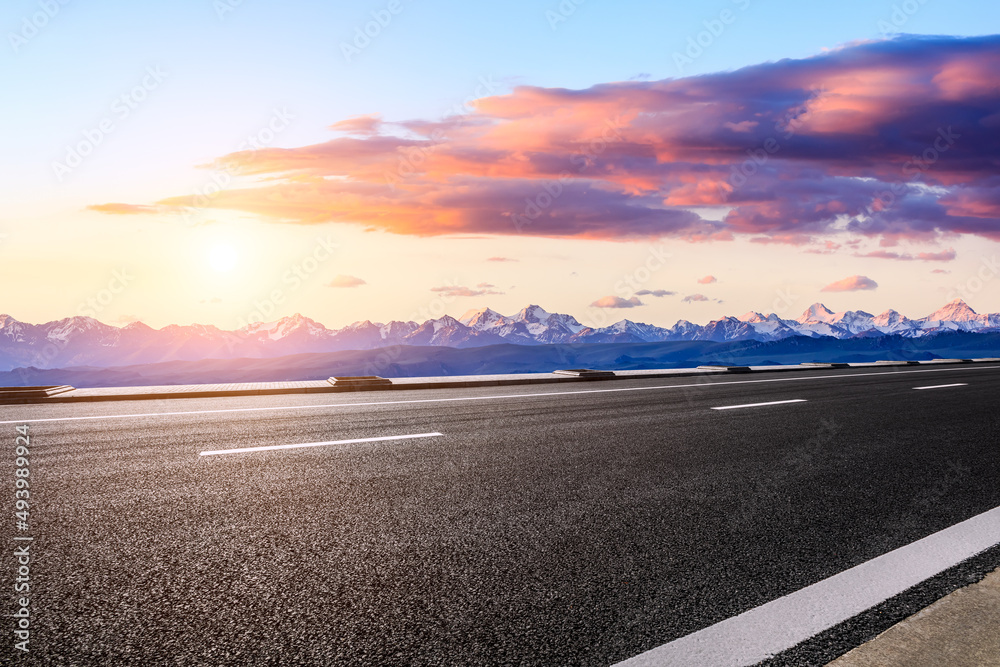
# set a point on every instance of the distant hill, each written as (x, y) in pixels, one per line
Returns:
(84, 341)
(420, 361)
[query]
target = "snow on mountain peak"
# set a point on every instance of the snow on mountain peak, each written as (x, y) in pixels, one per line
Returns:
(478, 318)
(888, 318)
(94, 341)
(539, 321)
(533, 313)
(818, 313)
(444, 322)
(954, 311)
(62, 329)
(286, 326)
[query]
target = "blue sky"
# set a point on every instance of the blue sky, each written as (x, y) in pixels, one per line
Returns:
(229, 67)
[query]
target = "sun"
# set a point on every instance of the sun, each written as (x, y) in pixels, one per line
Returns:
(222, 258)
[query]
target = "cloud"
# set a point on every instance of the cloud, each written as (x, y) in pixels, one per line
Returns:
(742, 126)
(346, 281)
(943, 256)
(501, 259)
(851, 284)
(116, 208)
(368, 124)
(617, 302)
(885, 139)
(939, 271)
(707, 280)
(458, 290)
(655, 292)
(691, 298)
(827, 248)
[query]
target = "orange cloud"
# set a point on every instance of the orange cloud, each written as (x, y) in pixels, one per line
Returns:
(847, 140)
(366, 124)
(346, 281)
(116, 208)
(617, 302)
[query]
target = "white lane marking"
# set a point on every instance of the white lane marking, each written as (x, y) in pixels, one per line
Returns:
(767, 630)
(887, 373)
(244, 450)
(942, 386)
(757, 405)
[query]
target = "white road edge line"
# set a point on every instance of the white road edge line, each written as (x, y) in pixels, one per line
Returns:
(244, 450)
(320, 406)
(774, 627)
(757, 405)
(942, 386)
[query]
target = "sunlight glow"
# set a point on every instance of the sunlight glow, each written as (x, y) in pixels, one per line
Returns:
(222, 258)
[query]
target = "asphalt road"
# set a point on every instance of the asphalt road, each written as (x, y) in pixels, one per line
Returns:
(544, 526)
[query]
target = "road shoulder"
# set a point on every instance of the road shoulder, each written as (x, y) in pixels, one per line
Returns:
(840, 640)
(959, 630)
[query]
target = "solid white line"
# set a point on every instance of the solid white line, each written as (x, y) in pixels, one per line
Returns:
(243, 450)
(763, 632)
(887, 373)
(942, 386)
(757, 405)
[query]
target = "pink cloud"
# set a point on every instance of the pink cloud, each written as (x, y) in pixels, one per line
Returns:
(707, 280)
(617, 302)
(851, 284)
(368, 124)
(827, 248)
(459, 290)
(942, 256)
(346, 281)
(820, 144)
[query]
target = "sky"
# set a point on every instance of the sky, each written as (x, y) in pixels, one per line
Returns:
(228, 161)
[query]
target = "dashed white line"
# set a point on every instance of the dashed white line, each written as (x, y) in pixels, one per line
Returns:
(268, 448)
(774, 627)
(757, 405)
(943, 386)
(494, 397)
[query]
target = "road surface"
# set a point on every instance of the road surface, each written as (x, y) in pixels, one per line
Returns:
(516, 525)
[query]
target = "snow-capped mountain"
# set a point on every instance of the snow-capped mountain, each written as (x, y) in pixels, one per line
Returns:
(84, 341)
(958, 315)
(818, 313)
(955, 311)
(625, 331)
(482, 319)
(533, 324)
(449, 332)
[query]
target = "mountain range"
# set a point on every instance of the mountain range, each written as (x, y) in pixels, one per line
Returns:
(84, 341)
